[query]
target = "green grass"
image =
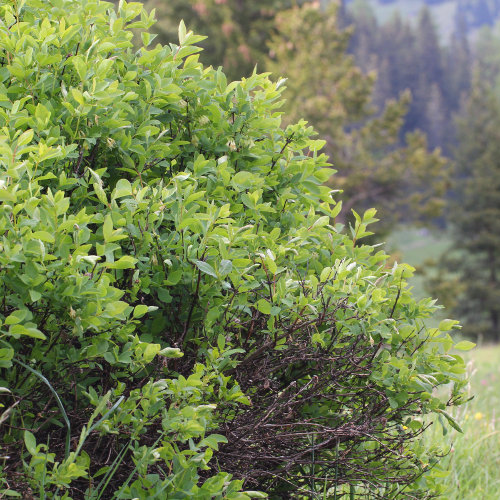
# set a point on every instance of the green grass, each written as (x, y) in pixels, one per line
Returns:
(418, 245)
(473, 460)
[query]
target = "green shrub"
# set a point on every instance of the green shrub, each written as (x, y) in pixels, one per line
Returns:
(177, 303)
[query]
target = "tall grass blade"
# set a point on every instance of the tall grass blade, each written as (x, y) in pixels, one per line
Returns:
(137, 465)
(107, 414)
(103, 484)
(59, 402)
(336, 470)
(313, 485)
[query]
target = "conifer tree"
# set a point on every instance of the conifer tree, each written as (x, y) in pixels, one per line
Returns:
(428, 49)
(476, 214)
(458, 63)
(436, 119)
(411, 58)
(397, 46)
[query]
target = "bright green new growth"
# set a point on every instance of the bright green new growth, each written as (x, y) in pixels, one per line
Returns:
(159, 229)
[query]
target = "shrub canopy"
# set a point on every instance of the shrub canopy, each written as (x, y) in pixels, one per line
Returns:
(177, 301)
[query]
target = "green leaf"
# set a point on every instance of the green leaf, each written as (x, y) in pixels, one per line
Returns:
(321, 221)
(116, 309)
(464, 345)
(11, 493)
(35, 295)
(182, 32)
(140, 311)
(369, 214)
(193, 224)
(28, 331)
(326, 273)
(271, 265)
(103, 68)
(171, 352)
(226, 266)
(123, 188)
(101, 194)
(263, 306)
(125, 262)
(80, 66)
(451, 420)
(243, 180)
(148, 351)
(174, 277)
(221, 342)
(448, 324)
(30, 442)
(205, 267)
(146, 38)
(107, 228)
(248, 202)
(6, 355)
(164, 295)
(16, 317)
(25, 138)
(44, 236)
(110, 234)
(336, 210)
(7, 195)
(213, 441)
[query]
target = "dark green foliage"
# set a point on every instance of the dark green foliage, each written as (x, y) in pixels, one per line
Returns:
(475, 260)
(165, 243)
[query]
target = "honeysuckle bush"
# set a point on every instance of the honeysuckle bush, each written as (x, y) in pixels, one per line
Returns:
(171, 268)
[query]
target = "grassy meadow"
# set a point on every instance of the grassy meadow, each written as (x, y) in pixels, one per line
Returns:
(473, 458)
(421, 248)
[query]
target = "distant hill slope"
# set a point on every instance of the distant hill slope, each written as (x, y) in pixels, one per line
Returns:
(447, 14)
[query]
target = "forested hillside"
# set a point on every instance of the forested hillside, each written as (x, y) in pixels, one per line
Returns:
(474, 13)
(409, 56)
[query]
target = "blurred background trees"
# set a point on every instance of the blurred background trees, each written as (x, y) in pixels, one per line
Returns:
(473, 263)
(376, 165)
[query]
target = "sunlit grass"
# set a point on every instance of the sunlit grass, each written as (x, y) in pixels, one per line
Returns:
(473, 460)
